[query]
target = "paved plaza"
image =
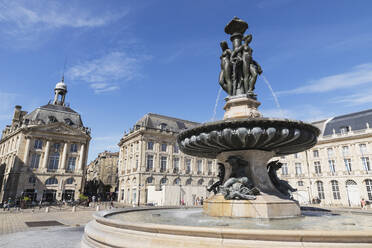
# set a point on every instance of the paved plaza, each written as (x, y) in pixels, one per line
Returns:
(14, 231)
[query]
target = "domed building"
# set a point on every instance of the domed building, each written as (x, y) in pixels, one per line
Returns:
(43, 154)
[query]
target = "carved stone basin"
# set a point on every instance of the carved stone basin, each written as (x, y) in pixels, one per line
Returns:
(281, 136)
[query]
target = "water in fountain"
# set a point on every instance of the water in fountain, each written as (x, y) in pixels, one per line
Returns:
(215, 105)
(274, 95)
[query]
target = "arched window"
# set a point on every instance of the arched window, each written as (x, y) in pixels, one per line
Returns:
(32, 179)
(189, 181)
(149, 179)
(51, 181)
(319, 185)
(200, 182)
(335, 190)
(350, 182)
(177, 181)
(163, 181)
(369, 188)
(70, 180)
(52, 119)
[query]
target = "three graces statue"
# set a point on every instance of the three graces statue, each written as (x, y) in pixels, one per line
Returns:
(239, 70)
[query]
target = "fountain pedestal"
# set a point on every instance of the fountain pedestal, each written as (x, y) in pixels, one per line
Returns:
(241, 106)
(269, 204)
(265, 206)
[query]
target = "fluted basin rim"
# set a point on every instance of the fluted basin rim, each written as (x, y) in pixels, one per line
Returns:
(283, 136)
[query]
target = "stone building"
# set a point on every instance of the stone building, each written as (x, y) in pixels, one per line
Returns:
(152, 169)
(43, 153)
(102, 175)
(338, 170)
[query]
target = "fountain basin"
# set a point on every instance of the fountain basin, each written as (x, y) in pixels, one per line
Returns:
(281, 136)
(174, 227)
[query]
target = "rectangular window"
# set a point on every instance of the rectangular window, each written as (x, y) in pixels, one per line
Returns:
(163, 147)
(332, 166)
(348, 164)
(137, 161)
(298, 168)
(316, 154)
(330, 152)
(163, 164)
(285, 169)
(150, 162)
(56, 146)
(53, 162)
(188, 165)
(73, 148)
(335, 190)
(210, 164)
(150, 145)
(35, 159)
(122, 194)
(365, 162)
(296, 155)
(318, 168)
(175, 148)
(345, 150)
(71, 163)
(363, 148)
(38, 144)
(199, 164)
(176, 165)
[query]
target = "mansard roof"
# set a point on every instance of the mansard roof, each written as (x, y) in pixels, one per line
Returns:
(157, 121)
(55, 113)
(350, 122)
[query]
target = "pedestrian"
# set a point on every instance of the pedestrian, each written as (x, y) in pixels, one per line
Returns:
(9, 202)
(197, 200)
(40, 204)
(201, 200)
(363, 204)
(112, 204)
(4, 205)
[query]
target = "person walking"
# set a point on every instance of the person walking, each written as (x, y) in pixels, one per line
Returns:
(363, 204)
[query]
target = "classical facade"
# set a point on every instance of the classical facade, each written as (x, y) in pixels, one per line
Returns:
(338, 170)
(152, 169)
(102, 175)
(43, 153)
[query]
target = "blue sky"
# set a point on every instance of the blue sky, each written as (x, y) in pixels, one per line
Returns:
(129, 58)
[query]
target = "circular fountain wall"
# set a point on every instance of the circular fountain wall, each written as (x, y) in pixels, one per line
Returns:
(174, 227)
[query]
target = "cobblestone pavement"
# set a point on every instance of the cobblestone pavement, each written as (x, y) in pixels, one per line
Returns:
(14, 221)
(56, 237)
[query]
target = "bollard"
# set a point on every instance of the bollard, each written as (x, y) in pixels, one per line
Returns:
(73, 209)
(47, 210)
(97, 208)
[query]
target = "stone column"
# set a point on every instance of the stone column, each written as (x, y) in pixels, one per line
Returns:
(46, 155)
(81, 160)
(64, 156)
(27, 151)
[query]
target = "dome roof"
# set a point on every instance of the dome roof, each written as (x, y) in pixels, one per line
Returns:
(61, 86)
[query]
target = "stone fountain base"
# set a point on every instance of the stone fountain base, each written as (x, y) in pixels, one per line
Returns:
(265, 206)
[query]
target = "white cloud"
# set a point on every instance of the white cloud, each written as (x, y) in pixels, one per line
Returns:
(363, 97)
(306, 112)
(358, 75)
(104, 73)
(52, 14)
(26, 21)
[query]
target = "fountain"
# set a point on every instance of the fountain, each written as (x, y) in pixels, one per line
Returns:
(251, 206)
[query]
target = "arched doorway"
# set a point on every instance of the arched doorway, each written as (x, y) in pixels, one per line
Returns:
(353, 193)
